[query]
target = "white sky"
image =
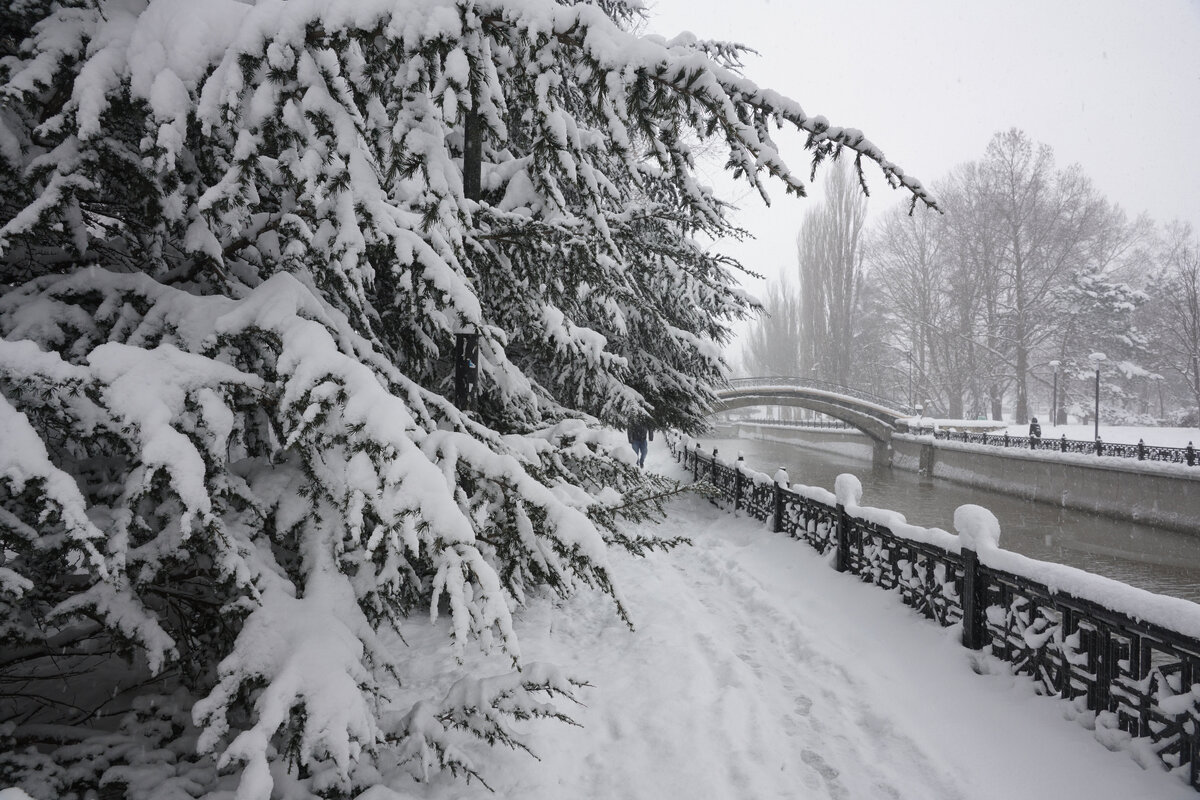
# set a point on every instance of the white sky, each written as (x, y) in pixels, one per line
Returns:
(1111, 84)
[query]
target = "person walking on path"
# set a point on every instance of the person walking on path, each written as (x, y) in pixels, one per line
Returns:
(640, 435)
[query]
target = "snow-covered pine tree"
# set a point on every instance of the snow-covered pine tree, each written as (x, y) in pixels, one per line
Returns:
(236, 249)
(1099, 312)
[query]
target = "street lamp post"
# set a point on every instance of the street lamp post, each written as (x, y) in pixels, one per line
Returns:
(908, 355)
(1054, 394)
(1097, 359)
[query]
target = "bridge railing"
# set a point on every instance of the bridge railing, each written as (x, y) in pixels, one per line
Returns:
(823, 386)
(820, 424)
(1140, 451)
(1129, 656)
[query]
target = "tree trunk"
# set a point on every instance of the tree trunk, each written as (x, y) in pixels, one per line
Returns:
(1022, 367)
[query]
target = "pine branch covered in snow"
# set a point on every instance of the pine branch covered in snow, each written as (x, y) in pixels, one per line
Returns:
(280, 520)
(235, 249)
(482, 708)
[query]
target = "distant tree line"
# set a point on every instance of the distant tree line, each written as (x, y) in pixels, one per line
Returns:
(981, 310)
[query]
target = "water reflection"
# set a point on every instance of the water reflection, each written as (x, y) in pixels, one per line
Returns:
(1160, 560)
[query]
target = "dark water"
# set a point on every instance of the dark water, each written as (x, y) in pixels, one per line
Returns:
(1163, 561)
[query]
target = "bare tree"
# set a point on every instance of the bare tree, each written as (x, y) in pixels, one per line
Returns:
(939, 279)
(1049, 220)
(773, 344)
(830, 254)
(910, 269)
(972, 339)
(1028, 264)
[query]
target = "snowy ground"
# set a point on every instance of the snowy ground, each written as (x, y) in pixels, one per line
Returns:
(759, 672)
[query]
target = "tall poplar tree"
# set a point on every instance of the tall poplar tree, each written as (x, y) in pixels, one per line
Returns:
(773, 344)
(830, 255)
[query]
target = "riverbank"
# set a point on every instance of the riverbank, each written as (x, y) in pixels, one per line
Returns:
(1113, 434)
(1150, 557)
(1147, 492)
(1153, 493)
(758, 671)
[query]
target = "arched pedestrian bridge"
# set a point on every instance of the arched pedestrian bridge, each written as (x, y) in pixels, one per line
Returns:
(874, 416)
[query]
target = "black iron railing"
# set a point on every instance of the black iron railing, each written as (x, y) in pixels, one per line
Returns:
(1141, 451)
(1138, 676)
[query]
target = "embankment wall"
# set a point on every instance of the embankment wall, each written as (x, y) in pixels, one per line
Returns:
(847, 442)
(1167, 495)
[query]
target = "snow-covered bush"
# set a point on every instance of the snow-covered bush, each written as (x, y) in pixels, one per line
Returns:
(236, 244)
(1184, 417)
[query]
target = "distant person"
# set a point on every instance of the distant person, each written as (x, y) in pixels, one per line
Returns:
(640, 435)
(1035, 430)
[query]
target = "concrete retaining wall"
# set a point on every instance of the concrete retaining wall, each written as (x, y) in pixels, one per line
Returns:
(1154, 494)
(848, 442)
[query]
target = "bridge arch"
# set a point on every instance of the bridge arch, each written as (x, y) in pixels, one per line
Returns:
(874, 416)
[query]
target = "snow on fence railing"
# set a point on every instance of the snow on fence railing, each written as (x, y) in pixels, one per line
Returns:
(1141, 451)
(1128, 656)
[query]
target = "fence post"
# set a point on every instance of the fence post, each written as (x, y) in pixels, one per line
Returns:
(1064, 443)
(1194, 766)
(1141, 450)
(714, 466)
(1101, 658)
(1006, 438)
(696, 463)
(781, 485)
(737, 482)
(841, 557)
(1068, 623)
(1099, 447)
(974, 601)
(1188, 674)
(1190, 454)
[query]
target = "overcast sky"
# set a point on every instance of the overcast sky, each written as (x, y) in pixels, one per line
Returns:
(1111, 84)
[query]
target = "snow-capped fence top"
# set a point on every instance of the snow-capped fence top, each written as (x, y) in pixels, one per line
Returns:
(1129, 656)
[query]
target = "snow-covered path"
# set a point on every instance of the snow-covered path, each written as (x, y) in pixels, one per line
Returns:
(759, 672)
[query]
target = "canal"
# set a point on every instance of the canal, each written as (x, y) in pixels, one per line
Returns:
(1163, 561)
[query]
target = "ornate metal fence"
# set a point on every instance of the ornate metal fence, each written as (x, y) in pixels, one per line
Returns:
(1141, 451)
(1138, 676)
